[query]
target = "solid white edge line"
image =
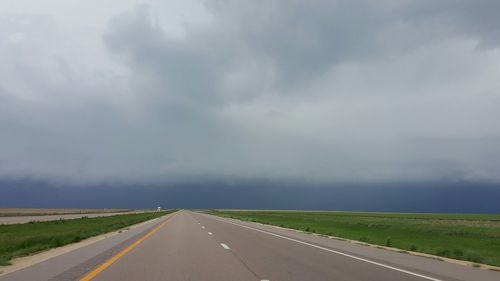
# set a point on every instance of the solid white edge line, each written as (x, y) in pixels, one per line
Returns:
(225, 246)
(334, 251)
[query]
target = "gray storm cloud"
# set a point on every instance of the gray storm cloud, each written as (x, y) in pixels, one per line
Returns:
(350, 91)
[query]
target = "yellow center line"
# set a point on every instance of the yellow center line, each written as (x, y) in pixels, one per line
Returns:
(109, 262)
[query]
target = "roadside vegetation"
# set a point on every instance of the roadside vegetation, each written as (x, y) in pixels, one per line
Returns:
(474, 238)
(23, 239)
(16, 212)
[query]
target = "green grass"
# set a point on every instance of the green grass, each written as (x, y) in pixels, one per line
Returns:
(474, 238)
(23, 239)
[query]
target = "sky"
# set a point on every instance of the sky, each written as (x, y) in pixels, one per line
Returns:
(124, 92)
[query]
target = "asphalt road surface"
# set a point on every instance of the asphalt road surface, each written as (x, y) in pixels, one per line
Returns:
(193, 246)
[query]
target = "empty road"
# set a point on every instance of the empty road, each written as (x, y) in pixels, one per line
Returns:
(194, 246)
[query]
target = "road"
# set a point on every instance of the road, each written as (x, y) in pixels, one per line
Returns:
(25, 219)
(194, 246)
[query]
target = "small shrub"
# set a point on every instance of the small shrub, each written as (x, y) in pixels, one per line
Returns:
(57, 242)
(5, 260)
(458, 253)
(77, 238)
(388, 242)
(413, 248)
(444, 253)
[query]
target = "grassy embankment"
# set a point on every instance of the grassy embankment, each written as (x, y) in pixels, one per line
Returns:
(17, 212)
(23, 239)
(474, 238)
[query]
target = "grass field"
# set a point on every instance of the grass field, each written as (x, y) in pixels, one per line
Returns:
(474, 238)
(24, 239)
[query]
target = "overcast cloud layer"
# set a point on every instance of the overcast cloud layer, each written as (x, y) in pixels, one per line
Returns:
(337, 91)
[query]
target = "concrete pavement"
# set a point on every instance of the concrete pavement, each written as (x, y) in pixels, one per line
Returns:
(193, 246)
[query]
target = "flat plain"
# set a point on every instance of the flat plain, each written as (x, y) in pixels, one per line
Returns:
(469, 237)
(11, 212)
